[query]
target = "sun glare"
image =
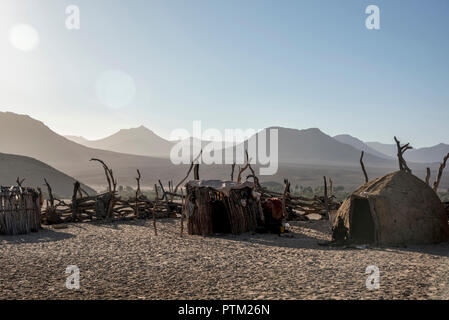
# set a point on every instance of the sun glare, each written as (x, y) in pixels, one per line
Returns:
(24, 37)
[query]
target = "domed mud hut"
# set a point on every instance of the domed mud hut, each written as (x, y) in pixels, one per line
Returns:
(398, 208)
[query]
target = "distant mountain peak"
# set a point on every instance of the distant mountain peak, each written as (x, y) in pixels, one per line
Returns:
(360, 145)
(307, 130)
(77, 139)
(140, 130)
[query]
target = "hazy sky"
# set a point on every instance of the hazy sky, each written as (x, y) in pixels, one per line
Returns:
(231, 64)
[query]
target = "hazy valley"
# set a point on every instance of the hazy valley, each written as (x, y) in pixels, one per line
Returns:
(305, 157)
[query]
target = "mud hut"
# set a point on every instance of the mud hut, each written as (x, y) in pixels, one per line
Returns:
(20, 210)
(216, 206)
(398, 208)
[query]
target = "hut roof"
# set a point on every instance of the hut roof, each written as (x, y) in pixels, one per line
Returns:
(220, 185)
(404, 209)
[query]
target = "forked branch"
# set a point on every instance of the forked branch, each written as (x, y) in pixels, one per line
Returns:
(19, 182)
(188, 173)
(440, 173)
(401, 149)
(247, 165)
(50, 193)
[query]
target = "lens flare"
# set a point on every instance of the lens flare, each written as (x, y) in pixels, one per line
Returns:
(24, 37)
(115, 89)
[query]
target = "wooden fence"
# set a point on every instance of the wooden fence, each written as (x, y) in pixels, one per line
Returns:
(20, 210)
(109, 205)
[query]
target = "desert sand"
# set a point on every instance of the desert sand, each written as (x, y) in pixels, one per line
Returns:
(126, 260)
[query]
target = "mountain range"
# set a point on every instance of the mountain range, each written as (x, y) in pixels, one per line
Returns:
(138, 141)
(361, 146)
(301, 152)
(296, 146)
(422, 155)
(34, 172)
(308, 146)
(433, 154)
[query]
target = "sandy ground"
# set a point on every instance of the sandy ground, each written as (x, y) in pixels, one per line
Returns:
(125, 260)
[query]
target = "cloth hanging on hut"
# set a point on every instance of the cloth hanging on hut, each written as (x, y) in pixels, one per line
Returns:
(224, 187)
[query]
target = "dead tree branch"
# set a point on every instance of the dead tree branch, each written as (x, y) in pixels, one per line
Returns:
(19, 182)
(164, 195)
(401, 149)
(241, 170)
(50, 194)
(440, 173)
(232, 171)
(326, 200)
(156, 199)
(428, 176)
(187, 175)
(285, 197)
(183, 203)
(363, 166)
(138, 183)
(74, 204)
(247, 165)
(196, 172)
(138, 193)
(112, 185)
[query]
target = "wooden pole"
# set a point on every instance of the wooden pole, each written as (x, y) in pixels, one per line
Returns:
(326, 204)
(50, 194)
(182, 211)
(154, 210)
(363, 166)
(164, 195)
(196, 172)
(440, 173)
(284, 197)
(232, 171)
(74, 201)
(428, 176)
(137, 193)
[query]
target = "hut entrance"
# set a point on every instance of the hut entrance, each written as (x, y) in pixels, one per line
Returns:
(362, 226)
(217, 206)
(220, 218)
